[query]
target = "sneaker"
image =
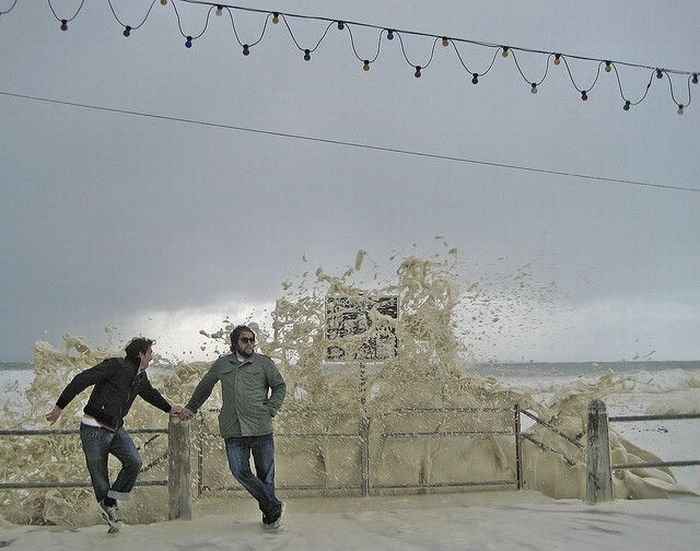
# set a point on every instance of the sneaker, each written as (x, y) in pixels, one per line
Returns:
(113, 516)
(277, 523)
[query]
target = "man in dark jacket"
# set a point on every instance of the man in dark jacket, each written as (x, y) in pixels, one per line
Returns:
(117, 382)
(252, 391)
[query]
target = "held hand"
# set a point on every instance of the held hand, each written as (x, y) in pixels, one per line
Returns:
(53, 415)
(186, 414)
(176, 409)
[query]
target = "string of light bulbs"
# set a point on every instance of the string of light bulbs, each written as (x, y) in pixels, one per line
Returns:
(387, 33)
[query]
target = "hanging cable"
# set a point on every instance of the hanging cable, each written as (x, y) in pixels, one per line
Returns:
(357, 145)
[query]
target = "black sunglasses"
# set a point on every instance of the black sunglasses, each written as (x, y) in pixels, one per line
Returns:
(245, 340)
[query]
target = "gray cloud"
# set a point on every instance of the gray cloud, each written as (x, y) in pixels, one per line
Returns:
(104, 214)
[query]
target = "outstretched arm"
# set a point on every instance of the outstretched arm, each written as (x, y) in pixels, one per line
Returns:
(102, 371)
(154, 397)
(200, 395)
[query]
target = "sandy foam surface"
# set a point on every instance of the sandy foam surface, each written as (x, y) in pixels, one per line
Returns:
(478, 520)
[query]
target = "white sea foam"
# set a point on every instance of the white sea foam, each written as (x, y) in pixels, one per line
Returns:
(429, 370)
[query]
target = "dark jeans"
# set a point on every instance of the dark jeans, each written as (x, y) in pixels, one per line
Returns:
(98, 443)
(261, 485)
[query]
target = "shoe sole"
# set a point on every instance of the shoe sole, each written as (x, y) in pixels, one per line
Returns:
(113, 526)
(280, 523)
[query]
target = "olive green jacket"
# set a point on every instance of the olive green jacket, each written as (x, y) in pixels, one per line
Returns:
(247, 409)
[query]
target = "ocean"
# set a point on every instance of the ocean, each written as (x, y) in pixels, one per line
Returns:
(15, 374)
(632, 385)
(657, 376)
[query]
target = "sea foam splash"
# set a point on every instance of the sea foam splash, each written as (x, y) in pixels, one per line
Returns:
(426, 363)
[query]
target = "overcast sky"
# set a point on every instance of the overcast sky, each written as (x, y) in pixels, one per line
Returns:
(163, 227)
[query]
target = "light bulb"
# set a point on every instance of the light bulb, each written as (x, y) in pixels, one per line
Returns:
(533, 88)
(475, 78)
(626, 106)
(504, 53)
(275, 18)
(680, 109)
(219, 10)
(417, 74)
(163, 2)
(695, 78)
(64, 25)
(127, 31)
(608, 66)
(246, 49)
(659, 74)
(188, 42)
(307, 55)
(445, 41)
(390, 35)
(584, 96)
(557, 59)
(341, 25)
(365, 65)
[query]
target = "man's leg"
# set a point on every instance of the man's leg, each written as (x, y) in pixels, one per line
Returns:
(96, 442)
(238, 452)
(124, 449)
(96, 445)
(263, 448)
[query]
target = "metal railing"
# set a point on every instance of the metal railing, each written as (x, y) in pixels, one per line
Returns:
(650, 464)
(75, 484)
(599, 486)
(365, 438)
(178, 481)
(552, 428)
(513, 431)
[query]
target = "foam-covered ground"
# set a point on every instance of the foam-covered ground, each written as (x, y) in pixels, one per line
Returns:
(477, 520)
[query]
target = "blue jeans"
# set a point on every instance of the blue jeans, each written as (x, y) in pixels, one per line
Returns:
(98, 443)
(261, 485)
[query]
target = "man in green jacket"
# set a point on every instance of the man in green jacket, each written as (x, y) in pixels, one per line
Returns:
(252, 390)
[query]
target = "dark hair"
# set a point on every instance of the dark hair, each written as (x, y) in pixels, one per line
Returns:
(237, 333)
(136, 346)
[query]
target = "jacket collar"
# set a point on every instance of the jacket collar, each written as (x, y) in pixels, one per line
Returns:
(233, 358)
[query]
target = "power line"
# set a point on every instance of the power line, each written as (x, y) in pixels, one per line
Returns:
(357, 145)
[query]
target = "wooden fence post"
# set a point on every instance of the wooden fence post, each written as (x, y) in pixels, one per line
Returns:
(518, 448)
(179, 475)
(598, 469)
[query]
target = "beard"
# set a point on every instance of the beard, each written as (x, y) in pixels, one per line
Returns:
(244, 353)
